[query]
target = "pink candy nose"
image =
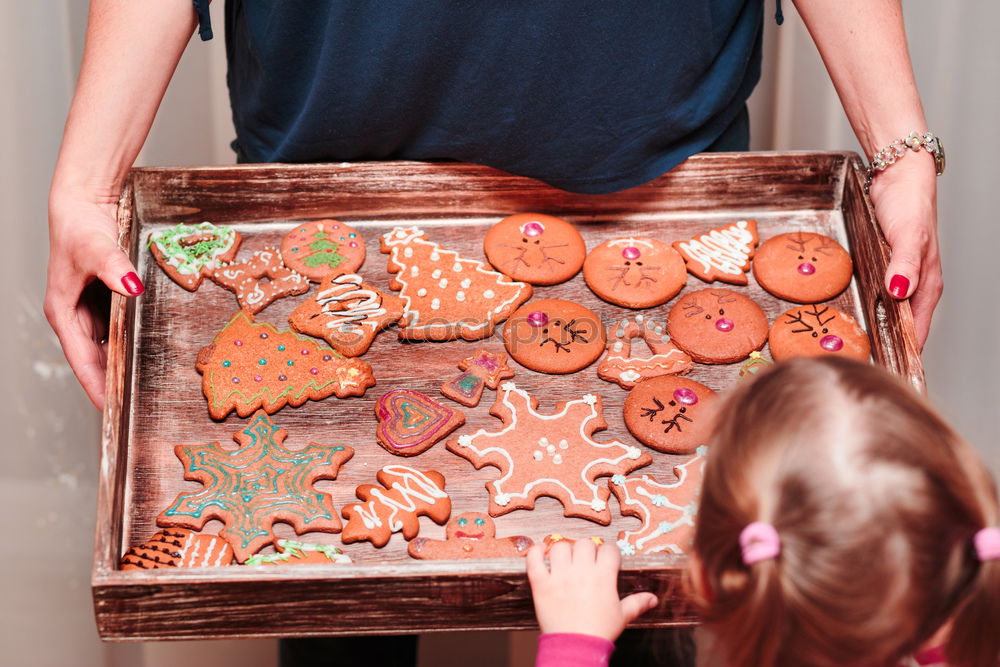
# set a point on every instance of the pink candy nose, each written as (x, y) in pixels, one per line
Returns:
(631, 252)
(807, 269)
(538, 319)
(532, 229)
(831, 343)
(724, 324)
(685, 396)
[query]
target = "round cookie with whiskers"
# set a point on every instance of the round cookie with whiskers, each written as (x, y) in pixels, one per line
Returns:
(670, 414)
(816, 330)
(535, 248)
(803, 267)
(554, 336)
(635, 272)
(717, 326)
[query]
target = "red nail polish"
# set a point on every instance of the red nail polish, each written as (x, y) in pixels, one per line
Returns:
(132, 284)
(899, 286)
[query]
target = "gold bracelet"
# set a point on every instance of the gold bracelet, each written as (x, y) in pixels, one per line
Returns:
(895, 150)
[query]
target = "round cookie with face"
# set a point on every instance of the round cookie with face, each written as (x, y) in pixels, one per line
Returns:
(635, 273)
(554, 336)
(717, 326)
(815, 330)
(535, 248)
(803, 267)
(670, 414)
(321, 247)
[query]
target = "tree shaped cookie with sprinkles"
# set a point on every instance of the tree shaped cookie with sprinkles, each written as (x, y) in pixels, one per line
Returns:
(548, 455)
(667, 511)
(251, 365)
(447, 296)
(254, 486)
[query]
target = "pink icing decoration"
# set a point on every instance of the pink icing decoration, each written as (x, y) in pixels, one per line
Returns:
(257, 378)
(807, 269)
(724, 324)
(353, 244)
(314, 371)
(685, 396)
(631, 252)
(538, 319)
(831, 343)
(237, 343)
(532, 229)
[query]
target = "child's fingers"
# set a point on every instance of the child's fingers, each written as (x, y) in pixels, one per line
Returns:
(537, 571)
(584, 552)
(560, 556)
(636, 605)
(609, 556)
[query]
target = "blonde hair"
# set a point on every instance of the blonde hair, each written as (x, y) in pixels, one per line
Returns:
(875, 500)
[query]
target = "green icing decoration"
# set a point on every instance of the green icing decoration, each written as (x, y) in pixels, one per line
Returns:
(327, 257)
(192, 258)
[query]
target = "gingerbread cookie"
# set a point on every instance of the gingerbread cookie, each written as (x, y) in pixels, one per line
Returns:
(410, 422)
(446, 296)
(253, 365)
(803, 267)
(292, 552)
(394, 506)
(346, 312)
(178, 547)
(635, 272)
(470, 535)
(721, 254)
(554, 336)
(260, 280)
(548, 455)
(259, 483)
(755, 364)
(555, 538)
(815, 330)
(622, 366)
(667, 511)
(316, 249)
(670, 414)
(717, 326)
(190, 253)
(482, 369)
(535, 248)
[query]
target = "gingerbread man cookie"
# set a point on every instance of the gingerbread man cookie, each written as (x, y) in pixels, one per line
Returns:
(548, 455)
(445, 295)
(316, 249)
(482, 369)
(620, 365)
(816, 330)
(178, 547)
(717, 326)
(256, 485)
(292, 552)
(554, 336)
(470, 535)
(410, 422)
(721, 254)
(635, 272)
(191, 253)
(670, 414)
(260, 280)
(347, 313)
(393, 507)
(535, 248)
(667, 511)
(803, 267)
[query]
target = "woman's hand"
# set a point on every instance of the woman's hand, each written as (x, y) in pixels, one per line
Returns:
(83, 255)
(578, 593)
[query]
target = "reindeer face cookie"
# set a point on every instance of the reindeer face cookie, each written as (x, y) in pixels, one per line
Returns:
(554, 336)
(812, 331)
(535, 248)
(803, 267)
(635, 273)
(717, 326)
(670, 414)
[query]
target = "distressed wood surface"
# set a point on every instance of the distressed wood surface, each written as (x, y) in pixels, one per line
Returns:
(155, 400)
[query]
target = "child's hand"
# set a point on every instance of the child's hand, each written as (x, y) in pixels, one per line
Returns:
(578, 591)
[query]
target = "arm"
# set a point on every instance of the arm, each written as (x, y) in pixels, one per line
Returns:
(863, 45)
(131, 51)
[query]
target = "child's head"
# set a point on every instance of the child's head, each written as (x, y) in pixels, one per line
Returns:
(875, 501)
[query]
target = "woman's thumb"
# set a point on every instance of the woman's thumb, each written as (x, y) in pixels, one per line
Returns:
(903, 274)
(635, 605)
(113, 268)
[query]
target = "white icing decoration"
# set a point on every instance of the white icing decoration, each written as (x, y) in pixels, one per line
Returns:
(630, 375)
(557, 459)
(618, 346)
(501, 499)
(631, 242)
(365, 305)
(408, 252)
(436, 273)
(460, 296)
(456, 267)
(537, 455)
(435, 304)
(563, 444)
(488, 294)
(426, 490)
(414, 270)
(727, 250)
(435, 257)
(639, 318)
(443, 283)
(465, 284)
(422, 292)
(598, 505)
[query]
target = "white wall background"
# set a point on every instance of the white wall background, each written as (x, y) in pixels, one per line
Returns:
(47, 481)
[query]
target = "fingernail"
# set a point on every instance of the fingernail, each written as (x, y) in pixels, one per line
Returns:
(899, 286)
(132, 284)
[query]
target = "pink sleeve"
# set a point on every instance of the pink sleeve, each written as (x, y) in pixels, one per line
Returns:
(564, 649)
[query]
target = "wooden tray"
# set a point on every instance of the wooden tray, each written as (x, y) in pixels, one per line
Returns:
(155, 400)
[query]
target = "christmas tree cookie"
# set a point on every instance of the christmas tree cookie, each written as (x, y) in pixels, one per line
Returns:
(395, 505)
(251, 365)
(447, 296)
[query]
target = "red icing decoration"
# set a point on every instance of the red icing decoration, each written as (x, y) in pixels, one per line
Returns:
(807, 269)
(533, 229)
(831, 343)
(631, 252)
(724, 324)
(538, 319)
(685, 396)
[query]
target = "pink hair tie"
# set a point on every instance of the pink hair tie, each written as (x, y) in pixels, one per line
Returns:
(987, 543)
(759, 541)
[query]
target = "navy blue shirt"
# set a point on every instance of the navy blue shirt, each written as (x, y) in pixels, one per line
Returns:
(587, 95)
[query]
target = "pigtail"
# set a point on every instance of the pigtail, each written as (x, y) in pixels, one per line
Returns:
(975, 641)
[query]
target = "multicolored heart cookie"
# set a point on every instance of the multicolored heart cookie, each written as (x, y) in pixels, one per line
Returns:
(190, 253)
(548, 455)
(621, 365)
(347, 313)
(447, 296)
(470, 535)
(260, 280)
(554, 336)
(803, 267)
(721, 254)
(635, 272)
(817, 330)
(394, 507)
(178, 547)
(256, 485)
(482, 369)
(670, 414)
(717, 326)
(667, 511)
(251, 365)
(292, 552)
(316, 249)
(410, 422)
(535, 248)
